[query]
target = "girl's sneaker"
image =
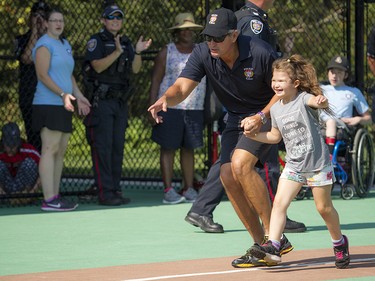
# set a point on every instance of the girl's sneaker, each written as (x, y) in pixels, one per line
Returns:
(266, 252)
(342, 254)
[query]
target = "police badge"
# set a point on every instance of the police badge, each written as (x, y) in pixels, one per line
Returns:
(256, 26)
(91, 45)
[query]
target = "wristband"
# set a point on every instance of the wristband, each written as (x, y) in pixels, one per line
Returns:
(263, 117)
(62, 94)
(138, 54)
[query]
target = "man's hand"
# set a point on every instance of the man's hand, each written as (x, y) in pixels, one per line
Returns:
(83, 106)
(251, 125)
(38, 27)
(159, 105)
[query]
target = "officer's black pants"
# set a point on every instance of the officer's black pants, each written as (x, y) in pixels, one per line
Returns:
(211, 192)
(105, 132)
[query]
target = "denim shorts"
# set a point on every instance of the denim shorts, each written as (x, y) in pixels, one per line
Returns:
(323, 177)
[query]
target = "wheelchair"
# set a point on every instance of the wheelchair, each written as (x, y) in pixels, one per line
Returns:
(353, 161)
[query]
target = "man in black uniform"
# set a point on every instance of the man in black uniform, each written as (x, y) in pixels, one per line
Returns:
(110, 58)
(253, 22)
(240, 71)
(27, 85)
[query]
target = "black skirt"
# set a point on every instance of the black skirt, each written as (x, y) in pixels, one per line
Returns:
(53, 117)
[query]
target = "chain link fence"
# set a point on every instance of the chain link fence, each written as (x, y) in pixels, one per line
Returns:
(317, 30)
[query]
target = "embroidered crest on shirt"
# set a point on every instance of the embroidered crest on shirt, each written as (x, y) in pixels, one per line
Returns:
(91, 45)
(256, 26)
(249, 73)
(213, 19)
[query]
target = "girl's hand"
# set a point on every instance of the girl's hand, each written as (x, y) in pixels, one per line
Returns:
(320, 99)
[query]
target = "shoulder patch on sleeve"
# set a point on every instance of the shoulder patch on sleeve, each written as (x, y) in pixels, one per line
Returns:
(91, 45)
(256, 26)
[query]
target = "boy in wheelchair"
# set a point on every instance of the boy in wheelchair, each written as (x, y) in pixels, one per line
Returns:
(351, 148)
(344, 101)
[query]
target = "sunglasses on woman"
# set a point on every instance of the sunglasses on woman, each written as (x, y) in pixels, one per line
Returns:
(112, 17)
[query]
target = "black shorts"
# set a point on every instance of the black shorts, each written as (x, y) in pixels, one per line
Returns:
(53, 117)
(234, 138)
(180, 128)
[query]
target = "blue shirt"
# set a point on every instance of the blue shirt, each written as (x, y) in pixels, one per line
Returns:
(342, 100)
(60, 70)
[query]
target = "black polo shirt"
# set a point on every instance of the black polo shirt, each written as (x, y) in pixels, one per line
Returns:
(246, 88)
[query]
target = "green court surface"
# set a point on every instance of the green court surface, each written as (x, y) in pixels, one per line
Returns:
(146, 231)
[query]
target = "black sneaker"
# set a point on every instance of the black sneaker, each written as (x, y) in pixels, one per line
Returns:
(90, 193)
(342, 254)
(247, 260)
(124, 200)
(292, 226)
(266, 252)
(111, 201)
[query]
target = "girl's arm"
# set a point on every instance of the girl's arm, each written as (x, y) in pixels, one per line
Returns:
(271, 137)
(319, 101)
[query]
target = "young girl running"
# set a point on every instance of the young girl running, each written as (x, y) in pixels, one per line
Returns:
(295, 120)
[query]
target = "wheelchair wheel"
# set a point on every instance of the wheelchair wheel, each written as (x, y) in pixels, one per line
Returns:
(347, 191)
(363, 162)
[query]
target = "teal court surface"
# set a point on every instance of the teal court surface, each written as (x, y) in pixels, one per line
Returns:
(145, 233)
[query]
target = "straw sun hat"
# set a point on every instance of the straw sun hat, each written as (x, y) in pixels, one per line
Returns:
(185, 20)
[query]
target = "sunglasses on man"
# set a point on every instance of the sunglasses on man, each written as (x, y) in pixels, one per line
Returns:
(217, 39)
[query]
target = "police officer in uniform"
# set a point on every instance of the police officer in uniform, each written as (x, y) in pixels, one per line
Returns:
(252, 20)
(28, 80)
(110, 58)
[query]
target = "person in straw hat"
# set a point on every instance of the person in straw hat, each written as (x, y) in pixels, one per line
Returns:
(183, 124)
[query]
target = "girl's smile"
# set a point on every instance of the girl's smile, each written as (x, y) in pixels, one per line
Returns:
(283, 86)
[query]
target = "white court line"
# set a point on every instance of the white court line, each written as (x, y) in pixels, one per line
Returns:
(240, 270)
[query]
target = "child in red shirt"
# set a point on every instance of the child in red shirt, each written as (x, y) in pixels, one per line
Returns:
(18, 162)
